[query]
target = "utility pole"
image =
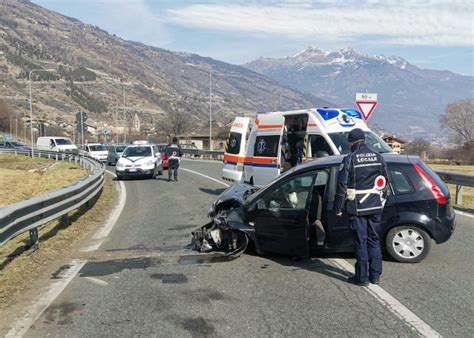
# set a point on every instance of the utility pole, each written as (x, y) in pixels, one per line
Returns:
(125, 118)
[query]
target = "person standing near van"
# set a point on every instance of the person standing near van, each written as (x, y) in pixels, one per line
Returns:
(360, 188)
(174, 153)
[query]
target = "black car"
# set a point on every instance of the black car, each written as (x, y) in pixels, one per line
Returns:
(283, 216)
(14, 145)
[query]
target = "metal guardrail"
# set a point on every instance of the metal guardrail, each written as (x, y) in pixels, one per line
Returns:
(459, 179)
(30, 214)
(211, 154)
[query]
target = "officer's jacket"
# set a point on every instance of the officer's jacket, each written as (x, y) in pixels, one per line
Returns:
(173, 151)
(355, 190)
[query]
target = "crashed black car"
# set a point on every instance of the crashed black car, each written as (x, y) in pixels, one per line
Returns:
(293, 215)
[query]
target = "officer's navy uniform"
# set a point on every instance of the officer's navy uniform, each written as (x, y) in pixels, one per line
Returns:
(356, 193)
(174, 153)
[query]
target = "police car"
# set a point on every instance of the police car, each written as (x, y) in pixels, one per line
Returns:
(258, 150)
(139, 160)
(294, 215)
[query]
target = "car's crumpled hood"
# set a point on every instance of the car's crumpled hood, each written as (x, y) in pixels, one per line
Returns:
(235, 192)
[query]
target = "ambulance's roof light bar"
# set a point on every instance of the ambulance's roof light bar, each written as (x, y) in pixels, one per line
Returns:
(328, 114)
(352, 113)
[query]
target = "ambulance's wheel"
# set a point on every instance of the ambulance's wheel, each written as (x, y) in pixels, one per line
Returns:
(408, 244)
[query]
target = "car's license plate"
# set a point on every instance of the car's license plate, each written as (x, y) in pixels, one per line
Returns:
(133, 170)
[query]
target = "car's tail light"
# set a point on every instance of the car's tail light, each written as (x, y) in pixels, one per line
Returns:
(431, 185)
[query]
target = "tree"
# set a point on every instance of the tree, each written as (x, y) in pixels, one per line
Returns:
(418, 147)
(176, 123)
(5, 113)
(459, 118)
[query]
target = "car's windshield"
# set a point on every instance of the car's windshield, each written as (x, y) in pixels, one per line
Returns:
(137, 152)
(97, 147)
(373, 141)
(17, 144)
(120, 149)
(63, 141)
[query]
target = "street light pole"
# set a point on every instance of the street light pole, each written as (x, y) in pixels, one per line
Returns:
(31, 106)
(209, 68)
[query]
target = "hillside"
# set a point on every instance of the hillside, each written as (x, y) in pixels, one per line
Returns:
(96, 71)
(408, 96)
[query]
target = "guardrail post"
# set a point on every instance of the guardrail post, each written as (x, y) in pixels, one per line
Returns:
(64, 220)
(34, 239)
(49, 156)
(56, 157)
(458, 200)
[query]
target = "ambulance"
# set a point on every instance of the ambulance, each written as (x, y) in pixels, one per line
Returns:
(259, 149)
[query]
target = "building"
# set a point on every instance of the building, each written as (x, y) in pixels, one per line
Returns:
(396, 143)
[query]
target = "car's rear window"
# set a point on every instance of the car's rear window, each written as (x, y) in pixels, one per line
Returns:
(233, 143)
(266, 146)
(400, 182)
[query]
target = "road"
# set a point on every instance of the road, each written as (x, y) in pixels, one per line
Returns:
(144, 281)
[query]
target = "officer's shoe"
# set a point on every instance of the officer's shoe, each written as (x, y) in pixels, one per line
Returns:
(356, 281)
(374, 280)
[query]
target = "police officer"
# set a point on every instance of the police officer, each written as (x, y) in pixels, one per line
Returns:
(360, 191)
(174, 153)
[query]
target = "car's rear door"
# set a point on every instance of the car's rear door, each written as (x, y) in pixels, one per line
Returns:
(281, 219)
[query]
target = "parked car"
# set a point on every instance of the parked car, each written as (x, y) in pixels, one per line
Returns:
(56, 143)
(281, 217)
(115, 151)
(14, 145)
(139, 160)
(164, 156)
(96, 151)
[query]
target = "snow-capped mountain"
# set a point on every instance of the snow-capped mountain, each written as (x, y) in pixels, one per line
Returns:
(410, 98)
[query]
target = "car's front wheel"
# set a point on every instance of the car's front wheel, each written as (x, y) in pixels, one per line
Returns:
(408, 244)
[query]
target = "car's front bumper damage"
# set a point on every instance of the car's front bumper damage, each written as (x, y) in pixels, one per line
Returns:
(226, 232)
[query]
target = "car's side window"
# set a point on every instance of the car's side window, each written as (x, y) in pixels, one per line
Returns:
(291, 194)
(400, 182)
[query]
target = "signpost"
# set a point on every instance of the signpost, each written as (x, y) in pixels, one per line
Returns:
(81, 118)
(366, 103)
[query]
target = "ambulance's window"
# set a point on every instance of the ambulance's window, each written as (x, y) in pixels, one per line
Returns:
(266, 146)
(233, 143)
(319, 146)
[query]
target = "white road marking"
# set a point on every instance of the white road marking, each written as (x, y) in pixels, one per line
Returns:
(208, 177)
(33, 312)
(464, 213)
(97, 281)
(391, 303)
(382, 296)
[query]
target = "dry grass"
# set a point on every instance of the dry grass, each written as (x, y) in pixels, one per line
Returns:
(18, 269)
(468, 193)
(22, 177)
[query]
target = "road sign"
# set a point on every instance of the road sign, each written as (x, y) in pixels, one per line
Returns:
(366, 103)
(105, 131)
(81, 127)
(81, 116)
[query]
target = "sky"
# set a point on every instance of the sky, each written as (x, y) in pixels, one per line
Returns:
(429, 34)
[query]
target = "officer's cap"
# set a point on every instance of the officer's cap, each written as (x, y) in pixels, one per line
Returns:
(356, 134)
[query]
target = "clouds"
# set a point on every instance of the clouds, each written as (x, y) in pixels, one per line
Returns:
(422, 23)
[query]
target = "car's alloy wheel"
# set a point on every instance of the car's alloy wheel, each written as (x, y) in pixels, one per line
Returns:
(408, 244)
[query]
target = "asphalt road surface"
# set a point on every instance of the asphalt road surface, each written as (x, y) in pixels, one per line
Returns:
(144, 281)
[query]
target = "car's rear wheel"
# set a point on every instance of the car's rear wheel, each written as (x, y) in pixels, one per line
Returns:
(408, 243)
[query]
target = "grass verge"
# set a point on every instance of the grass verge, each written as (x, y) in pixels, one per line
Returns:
(468, 192)
(19, 268)
(23, 177)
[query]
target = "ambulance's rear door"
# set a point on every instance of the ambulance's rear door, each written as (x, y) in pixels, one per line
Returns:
(235, 149)
(266, 150)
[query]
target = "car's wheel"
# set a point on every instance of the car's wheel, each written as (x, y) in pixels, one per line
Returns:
(153, 175)
(119, 177)
(408, 244)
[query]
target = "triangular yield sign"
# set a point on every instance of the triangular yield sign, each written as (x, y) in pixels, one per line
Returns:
(366, 108)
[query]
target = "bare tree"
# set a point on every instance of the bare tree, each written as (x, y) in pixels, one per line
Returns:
(459, 118)
(5, 114)
(418, 147)
(175, 123)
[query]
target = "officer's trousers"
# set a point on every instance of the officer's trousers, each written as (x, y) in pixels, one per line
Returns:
(365, 231)
(173, 165)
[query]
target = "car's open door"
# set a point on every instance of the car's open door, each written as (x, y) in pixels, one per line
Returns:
(281, 218)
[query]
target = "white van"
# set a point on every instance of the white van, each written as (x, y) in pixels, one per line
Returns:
(56, 143)
(258, 150)
(96, 151)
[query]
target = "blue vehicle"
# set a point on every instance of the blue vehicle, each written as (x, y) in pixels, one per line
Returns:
(14, 145)
(115, 151)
